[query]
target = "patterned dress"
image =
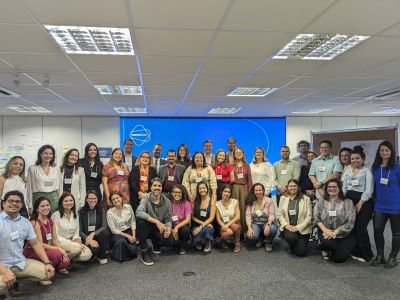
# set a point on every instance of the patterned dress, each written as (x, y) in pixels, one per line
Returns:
(116, 182)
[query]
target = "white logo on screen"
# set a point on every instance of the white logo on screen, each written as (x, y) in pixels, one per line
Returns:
(140, 135)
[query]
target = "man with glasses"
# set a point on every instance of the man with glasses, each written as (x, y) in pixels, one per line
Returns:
(14, 231)
(171, 173)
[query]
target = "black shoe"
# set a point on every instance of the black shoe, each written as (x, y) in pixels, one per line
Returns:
(378, 260)
(391, 262)
(156, 249)
(146, 258)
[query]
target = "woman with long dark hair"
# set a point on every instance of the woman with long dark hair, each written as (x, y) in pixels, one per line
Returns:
(92, 166)
(183, 156)
(386, 174)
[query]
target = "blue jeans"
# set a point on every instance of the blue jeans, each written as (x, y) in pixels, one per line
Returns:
(259, 229)
(206, 234)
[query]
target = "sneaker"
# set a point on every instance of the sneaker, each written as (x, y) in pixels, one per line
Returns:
(103, 261)
(358, 258)
(268, 248)
(207, 247)
(199, 246)
(325, 255)
(237, 248)
(391, 262)
(146, 258)
(224, 244)
(156, 249)
(45, 282)
(15, 291)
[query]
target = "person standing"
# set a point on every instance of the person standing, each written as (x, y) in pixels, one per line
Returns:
(210, 158)
(386, 174)
(231, 147)
(262, 171)
(171, 173)
(157, 160)
(130, 159)
(303, 148)
(285, 169)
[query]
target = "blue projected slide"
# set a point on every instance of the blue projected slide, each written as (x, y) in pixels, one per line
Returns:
(269, 133)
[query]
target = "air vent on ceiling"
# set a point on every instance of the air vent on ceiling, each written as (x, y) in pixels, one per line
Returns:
(7, 93)
(387, 95)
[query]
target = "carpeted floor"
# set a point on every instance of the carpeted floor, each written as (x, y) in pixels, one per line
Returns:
(251, 274)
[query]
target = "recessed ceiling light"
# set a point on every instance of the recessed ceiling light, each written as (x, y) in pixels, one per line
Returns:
(131, 110)
(388, 111)
(124, 90)
(92, 40)
(224, 110)
(29, 109)
(251, 92)
(311, 111)
(320, 46)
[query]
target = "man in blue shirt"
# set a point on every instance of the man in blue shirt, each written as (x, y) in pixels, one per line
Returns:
(14, 231)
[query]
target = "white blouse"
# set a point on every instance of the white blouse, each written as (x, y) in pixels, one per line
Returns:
(67, 229)
(14, 183)
(38, 181)
(227, 213)
(118, 222)
(78, 187)
(263, 173)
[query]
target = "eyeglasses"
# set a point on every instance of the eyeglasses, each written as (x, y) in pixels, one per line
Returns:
(15, 202)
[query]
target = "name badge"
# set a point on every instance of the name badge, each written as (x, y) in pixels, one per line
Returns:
(174, 218)
(293, 212)
(93, 174)
(92, 228)
(120, 172)
(198, 179)
(259, 213)
(226, 219)
(67, 180)
(171, 178)
(48, 183)
(283, 172)
(219, 177)
(143, 178)
(203, 213)
(355, 182)
(321, 169)
(14, 235)
(384, 181)
(240, 175)
(332, 213)
(48, 237)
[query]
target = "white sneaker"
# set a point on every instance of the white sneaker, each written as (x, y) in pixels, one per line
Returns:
(358, 258)
(103, 261)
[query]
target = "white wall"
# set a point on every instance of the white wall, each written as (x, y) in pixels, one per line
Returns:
(299, 128)
(65, 132)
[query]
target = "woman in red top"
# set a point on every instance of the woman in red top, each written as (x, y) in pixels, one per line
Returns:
(223, 172)
(46, 233)
(242, 183)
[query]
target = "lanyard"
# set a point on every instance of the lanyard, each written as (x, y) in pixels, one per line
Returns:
(388, 173)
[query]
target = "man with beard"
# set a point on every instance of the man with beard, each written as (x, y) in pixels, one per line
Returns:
(154, 221)
(171, 173)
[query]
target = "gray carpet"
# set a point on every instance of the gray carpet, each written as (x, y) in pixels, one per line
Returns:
(252, 274)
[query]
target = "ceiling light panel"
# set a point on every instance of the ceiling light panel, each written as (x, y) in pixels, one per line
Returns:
(29, 109)
(224, 110)
(122, 90)
(311, 111)
(130, 110)
(92, 40)
(251, 92)
(320, 46)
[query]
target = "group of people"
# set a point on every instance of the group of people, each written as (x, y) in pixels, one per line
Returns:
(85, 210)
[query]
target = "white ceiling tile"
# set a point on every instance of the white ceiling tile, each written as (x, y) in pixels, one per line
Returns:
(358, 82)
(102, 13)
(193, 14)
(64, 78)
(42, 98)
(219, 80)
(365, 17)
(170, 92)
(268, 81)
(317, 82)
(166, 79)
(39, 62)
(230, 65)
(391, 69)
(287, 16)
(105, 63)
(169, 64)
(13, 12)
(289, 67)
(114, 78)
(172, 42)
(392, 31)
(75, 90)
(249, 44)
(197, 91)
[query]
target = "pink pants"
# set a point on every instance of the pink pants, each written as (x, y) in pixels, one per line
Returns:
(55, 256)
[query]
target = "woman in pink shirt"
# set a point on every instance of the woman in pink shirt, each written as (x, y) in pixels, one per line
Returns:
(181, 215)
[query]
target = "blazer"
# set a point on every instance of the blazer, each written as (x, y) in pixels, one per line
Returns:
(78, 187)
(304, 217)
(179, 171)
(134, 183)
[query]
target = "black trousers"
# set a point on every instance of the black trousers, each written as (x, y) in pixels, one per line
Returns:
(380, 220)
(146, 230)
(363, 247)
(297, 242)
(102, 239)
(341, 248)
(121, 248)
(184, 237)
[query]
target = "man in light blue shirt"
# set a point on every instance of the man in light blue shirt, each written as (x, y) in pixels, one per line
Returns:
(325, 167)
(14, 231)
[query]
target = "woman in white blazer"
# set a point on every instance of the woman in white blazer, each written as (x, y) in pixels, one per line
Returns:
(73, 178)
(295, 211)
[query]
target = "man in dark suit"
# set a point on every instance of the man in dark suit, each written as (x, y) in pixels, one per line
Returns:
(158, 161)
(171, 173)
